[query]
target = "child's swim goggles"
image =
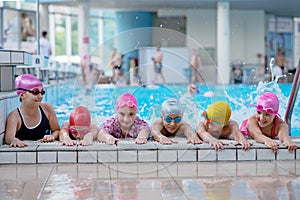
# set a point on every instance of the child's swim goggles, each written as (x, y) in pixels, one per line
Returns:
(211, 120)
(73, 131)
(170, 119)
(267, 110)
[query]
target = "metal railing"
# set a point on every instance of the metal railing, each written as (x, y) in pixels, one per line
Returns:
(292, 99)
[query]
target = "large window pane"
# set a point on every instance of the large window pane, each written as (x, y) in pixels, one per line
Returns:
(60, 34)
(74, 33)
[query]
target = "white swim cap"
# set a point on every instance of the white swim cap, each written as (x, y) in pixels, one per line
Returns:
(171, 106)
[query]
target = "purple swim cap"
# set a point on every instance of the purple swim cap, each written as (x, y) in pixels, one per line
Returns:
(27, 82)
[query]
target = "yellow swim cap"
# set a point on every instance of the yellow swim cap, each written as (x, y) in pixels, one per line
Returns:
(219, 112)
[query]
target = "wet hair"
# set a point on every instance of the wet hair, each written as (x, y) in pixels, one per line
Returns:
(171, 106)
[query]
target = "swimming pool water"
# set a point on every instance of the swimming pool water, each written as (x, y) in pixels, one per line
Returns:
(101, 101)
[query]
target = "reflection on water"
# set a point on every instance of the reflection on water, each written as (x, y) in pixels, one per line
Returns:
(272, 187)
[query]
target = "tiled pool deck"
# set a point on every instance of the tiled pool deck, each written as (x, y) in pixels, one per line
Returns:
(126, 151)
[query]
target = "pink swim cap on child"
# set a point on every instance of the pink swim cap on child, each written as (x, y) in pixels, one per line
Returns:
(126, 100)
(268, 100)
(80, 116)
(27, 82)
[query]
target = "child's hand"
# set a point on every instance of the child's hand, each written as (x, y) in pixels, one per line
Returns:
(140, 140)
(111, 140)
(217, 144)
(292, 146)
(17, 143)
(164, 140)
(48, 138)
(68, 142)
(195, 140)
(272, 144)
(245, 143)
(86, 142)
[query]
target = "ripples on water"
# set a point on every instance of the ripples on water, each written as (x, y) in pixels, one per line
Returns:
(101, 101)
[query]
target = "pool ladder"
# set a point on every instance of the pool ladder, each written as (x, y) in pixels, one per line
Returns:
(292, 99)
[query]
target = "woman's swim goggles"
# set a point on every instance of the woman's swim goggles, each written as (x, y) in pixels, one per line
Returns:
(170, 119)
(211, 120)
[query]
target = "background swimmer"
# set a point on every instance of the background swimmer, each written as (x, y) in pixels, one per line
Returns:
(171, 124)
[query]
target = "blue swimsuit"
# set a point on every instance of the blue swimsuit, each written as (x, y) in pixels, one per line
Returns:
(34, 133)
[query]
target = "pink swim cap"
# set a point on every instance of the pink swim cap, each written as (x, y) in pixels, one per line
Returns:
(268, 101)
(80, 116)
(126, 100)
(27, 82)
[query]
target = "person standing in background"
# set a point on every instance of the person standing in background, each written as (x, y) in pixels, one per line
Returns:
(45, 46)
(157, 60)
(195, 62)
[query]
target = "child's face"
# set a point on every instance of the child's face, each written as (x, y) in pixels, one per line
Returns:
(214, 127)
(263, 118)
(126, 117)
(172, 123)
(79, 132)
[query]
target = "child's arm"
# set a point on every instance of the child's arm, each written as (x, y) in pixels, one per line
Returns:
(64, 136)
(104, 136)
(283, 135)
(207, 137)
(142, 136)
(53, 122)
(258, 136)
(190, 134)
(237, 135)
(90, 136)
(12, 123)
(157, 136)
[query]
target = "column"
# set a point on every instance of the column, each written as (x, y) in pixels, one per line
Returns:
(83, 28)
(44, 17)
(131, 35)
(223, 42)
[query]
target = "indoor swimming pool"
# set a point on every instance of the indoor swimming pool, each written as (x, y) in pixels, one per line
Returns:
(101, 100)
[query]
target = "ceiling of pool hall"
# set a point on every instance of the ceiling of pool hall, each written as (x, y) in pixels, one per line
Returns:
(289, 8)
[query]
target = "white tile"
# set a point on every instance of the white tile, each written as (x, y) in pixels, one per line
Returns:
(297, 154)
(47, 157)
(127, 156)
(67, 157)
(107, 156)
(87, 156)
(3, 116)
(207, 155)
(226, 155)
(246, 155)
(4, 57)
(17, 57)
(26, 157)
(8, 157)
(265, 154)
(284, 154)
(187, 155)
(167, 155)
(147, 156)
